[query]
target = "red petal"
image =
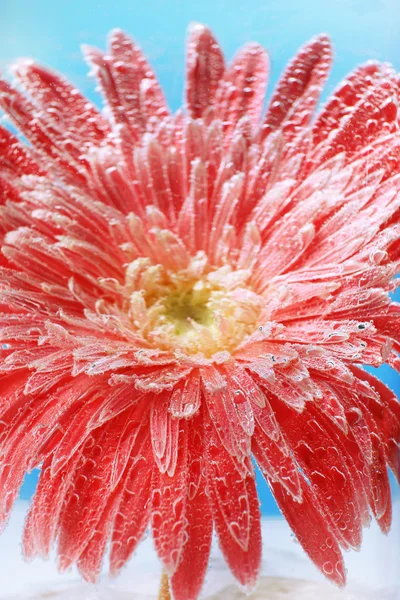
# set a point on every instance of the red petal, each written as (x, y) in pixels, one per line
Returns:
(164, 434)
(76, 431)
(188, 578)
(344, 98)
(25, 436)
(129, 85)
(242, 91)
(372, 451)
(131, 70)
(71, 113)
(101, 67)
(168, 512)
(89, 492)
(391, 427)
(186, 397)
(298, 90)
(195, 209)
(41, 526)
(275, 462)
(364, 479)
(90, 560)
(235, 509)
(311, 529)
(39, 130)
(245, 392)
(386, 416)
(326, 467)
(204, 69)
(14, 158)
(153, 160)
(228, 489)
(133, 511)
(133, 435)
(367, 120)
(224, 413)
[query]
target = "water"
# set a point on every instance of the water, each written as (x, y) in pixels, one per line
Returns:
(51, 32)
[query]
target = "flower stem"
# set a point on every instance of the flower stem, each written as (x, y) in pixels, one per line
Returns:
(164, 594)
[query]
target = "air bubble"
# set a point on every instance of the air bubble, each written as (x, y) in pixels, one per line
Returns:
(239, 397)
(327, 568)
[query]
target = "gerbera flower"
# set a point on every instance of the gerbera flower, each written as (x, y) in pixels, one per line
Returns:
(181, 292)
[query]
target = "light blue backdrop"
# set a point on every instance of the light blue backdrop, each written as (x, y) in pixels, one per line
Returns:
(52, 31)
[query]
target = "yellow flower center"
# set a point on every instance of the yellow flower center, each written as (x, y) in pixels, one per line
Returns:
(196, 310)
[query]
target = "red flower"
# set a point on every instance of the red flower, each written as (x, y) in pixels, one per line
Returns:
(181, 292)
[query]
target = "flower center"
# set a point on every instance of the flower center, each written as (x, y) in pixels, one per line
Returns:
(184, 308)
(195, 310)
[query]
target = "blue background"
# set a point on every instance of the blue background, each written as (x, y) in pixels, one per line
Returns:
(52, 31)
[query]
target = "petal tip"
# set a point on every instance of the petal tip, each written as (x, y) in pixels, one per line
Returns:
(116, 34)
(119, 39)
(320, 43)
(21, 66)
(196, 28)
